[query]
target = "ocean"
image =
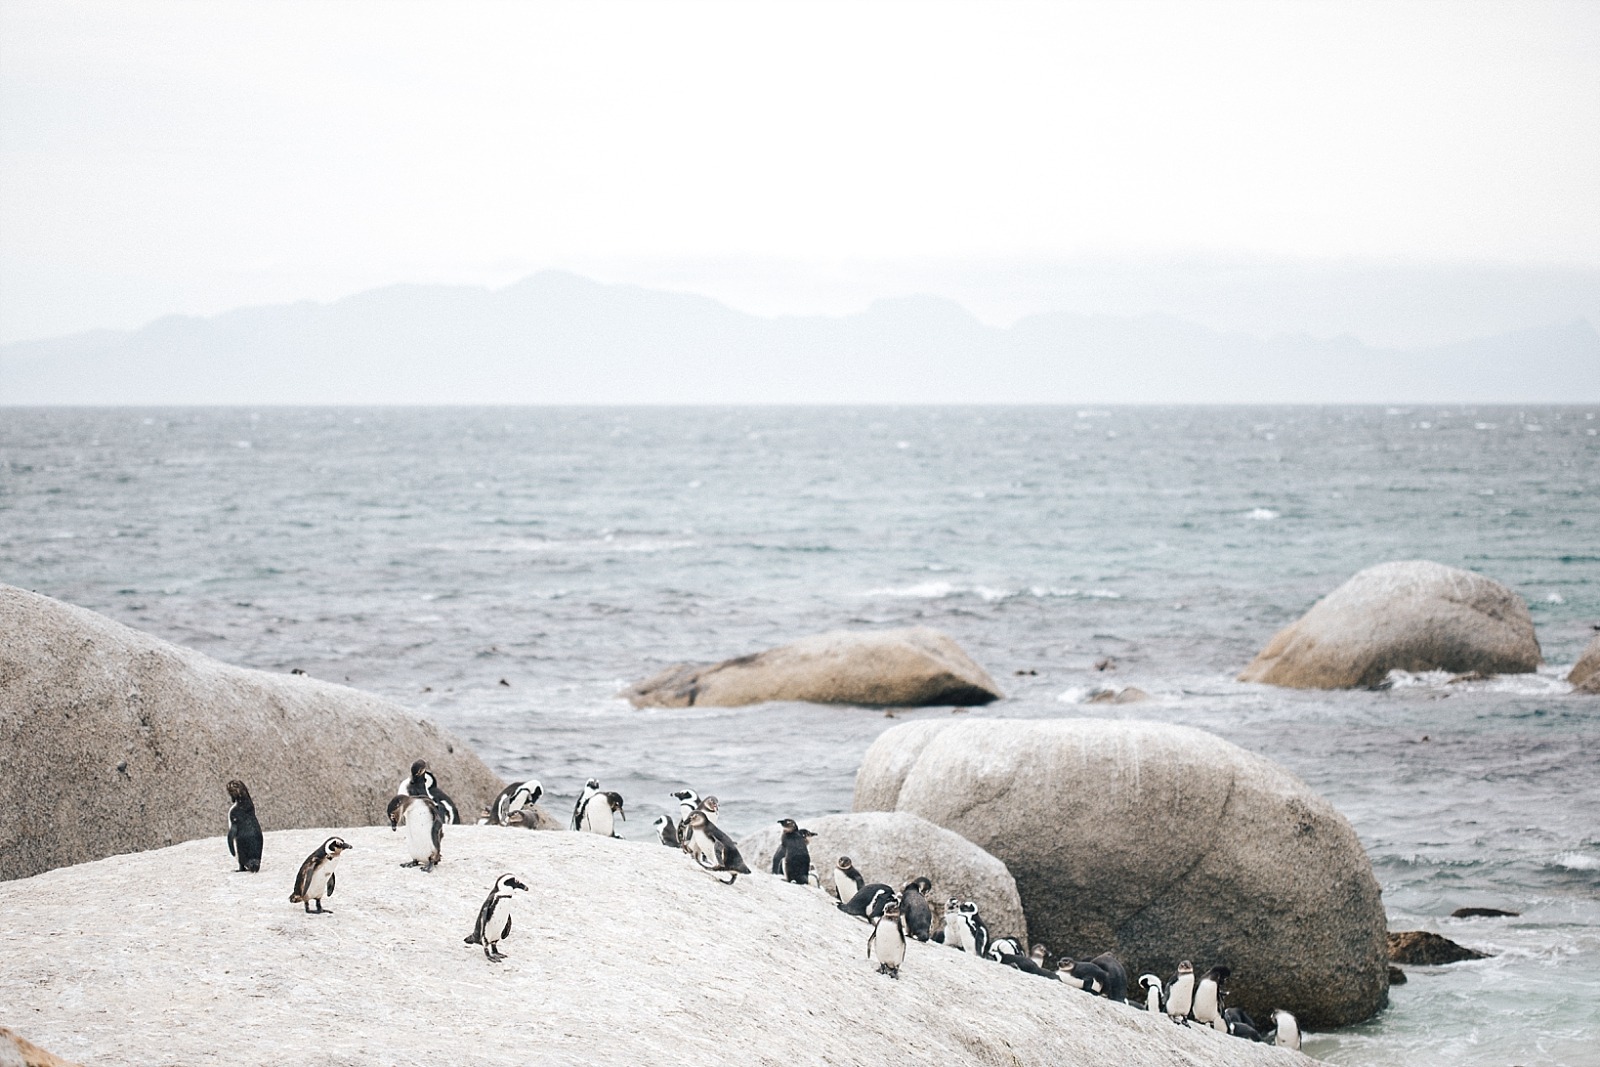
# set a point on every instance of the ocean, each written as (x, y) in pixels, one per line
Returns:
(508, 571)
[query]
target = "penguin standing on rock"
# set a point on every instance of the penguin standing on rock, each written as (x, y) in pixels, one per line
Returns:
(244, 831)
(964, 928)
(666, 831)
(315, 879)
(888, 941)
(792, 859)
(514, 797)
(422, 783)
(1208, 996)
(1116, 977)
(424, 828)
(915, 914)
(595, 810)
(494, 917)
(1239, 1024)
(688, 803)
(1154, 996)
(1285, 1030)
(847, 881)
(714, 850)
(1180, 993)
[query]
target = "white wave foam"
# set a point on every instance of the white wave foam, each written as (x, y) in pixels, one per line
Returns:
(608, 543)
(1262, 514)
(1577, 861)
(941, 590)
(919, 591)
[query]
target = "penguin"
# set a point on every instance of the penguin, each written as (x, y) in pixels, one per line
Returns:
(688, 802)
(514, 797)
(869, 903)
(523, 819)
(972, 934)
(422, 783)
(590, 788)
(710, 806)
(792, 859)
(424, 828)
(1239, 1024)
(1180, 993)
(1116, 977)
(888, 940)
(315, 879)
(1039, 954)
(1285, 1030)
(666, 831)
(915, 914)
(1001, 952)
(847, 881)
(1004, 946)
(1154, 996)
(1208, 994)
(1089, 977)
(244, 831)
(494, 917)
(713, 849)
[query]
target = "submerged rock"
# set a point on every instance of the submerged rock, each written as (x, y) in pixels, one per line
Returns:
(1585, 674)
(1482, 913)
(1159, 843)
(1409, 616)
(1396, 975)
(894, 847)
(115, 741)
(620, 953)
(913, 667)
(1419, 948)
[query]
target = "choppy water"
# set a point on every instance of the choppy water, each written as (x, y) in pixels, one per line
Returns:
(428, 554)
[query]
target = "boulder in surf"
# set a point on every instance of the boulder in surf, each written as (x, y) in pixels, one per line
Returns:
(1585, 674)
(1408, 616)
(913, 667)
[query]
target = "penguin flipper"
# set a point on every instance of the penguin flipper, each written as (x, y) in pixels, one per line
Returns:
(330, 885)
(507, 930)
(231, 835)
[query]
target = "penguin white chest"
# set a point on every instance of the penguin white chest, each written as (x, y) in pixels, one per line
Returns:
(319, 880)
(844, 884)
(1180, 998)
(419, 832)
(889, 945)
(499, 920)
(597, 816)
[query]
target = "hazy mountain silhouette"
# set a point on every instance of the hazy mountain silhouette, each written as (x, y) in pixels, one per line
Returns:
(556, 338)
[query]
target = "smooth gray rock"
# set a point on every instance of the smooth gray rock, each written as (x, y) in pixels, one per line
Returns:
(884, 768)
(1585, 674)
(912, 667)
(1409, 616)
(1161, 843)
(114, 741)
(894, 847)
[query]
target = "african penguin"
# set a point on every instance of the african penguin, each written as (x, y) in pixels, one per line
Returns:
(915, 914)
(688, 803)
(1116, 977)
(1089, 977)
(1208, 994)
(514, 797)
(1154, 996)
(792, 859)
(422, 783)
(596, 811)
(972, 932)
(424, 828)
(315, 879)
(710, 806)
(847, 881)
(1239, 1024)
(869, 902)
(713, 849)
(1004, 946)
(888, 941)
(1180, 993)
(526, 819)
(244, 831)
(590, 788)
(494, 917)
(1287, 1029)
(666, 831)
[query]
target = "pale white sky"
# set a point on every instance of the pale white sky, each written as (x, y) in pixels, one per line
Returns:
(191, 157)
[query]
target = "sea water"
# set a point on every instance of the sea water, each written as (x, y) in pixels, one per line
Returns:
(508, 571)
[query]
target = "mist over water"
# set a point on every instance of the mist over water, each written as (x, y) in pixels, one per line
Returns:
(429, 554)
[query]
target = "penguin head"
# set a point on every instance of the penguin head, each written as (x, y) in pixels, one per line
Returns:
(508, 882)
(593, 783)
(1218, 974)
(419, 767)
(530, 789)
(396, 806)
(615, 801)
(1149, 981)
(709, 803)
(891, 909)
(685, 796)
(968, 908)
(1037, 955)
(789, 825)
(335, 845)
(520, 818)
(807, 834)
(922, 884)
(1185, 967)
(952, 907)
(844, 863)
(237, 790)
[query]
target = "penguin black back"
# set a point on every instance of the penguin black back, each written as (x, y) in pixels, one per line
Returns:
(792, 859)
(915, 912)
(244, 830)
(869, 902)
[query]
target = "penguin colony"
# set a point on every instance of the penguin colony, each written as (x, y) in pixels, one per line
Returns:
(896, 917)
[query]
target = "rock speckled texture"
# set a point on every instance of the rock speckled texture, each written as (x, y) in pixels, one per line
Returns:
(894, 847)
(114, 741)
(1420, 948)
(1585, 674)
(622, 953)
(1161, 843)
(1408, 616)
(913, 667)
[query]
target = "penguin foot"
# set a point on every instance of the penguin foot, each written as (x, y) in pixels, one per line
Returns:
(413, 863)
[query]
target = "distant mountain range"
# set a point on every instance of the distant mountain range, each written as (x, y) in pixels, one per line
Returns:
(556, 338)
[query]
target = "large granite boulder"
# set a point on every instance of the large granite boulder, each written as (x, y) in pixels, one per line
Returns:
(1585, 674)
(894, 847)
(1163, 843)
(114, 741)
(890, 668)
(884, 768)
(1410, 616)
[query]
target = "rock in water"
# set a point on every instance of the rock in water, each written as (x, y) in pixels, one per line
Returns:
(894, 847)
(1160, 843)
(1410, 616)
(1482, 913)
(913, 667)
(1419, 948)
(114, 741)
(1585, 674)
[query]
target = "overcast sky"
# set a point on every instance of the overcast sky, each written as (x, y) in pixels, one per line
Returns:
(191, 157)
